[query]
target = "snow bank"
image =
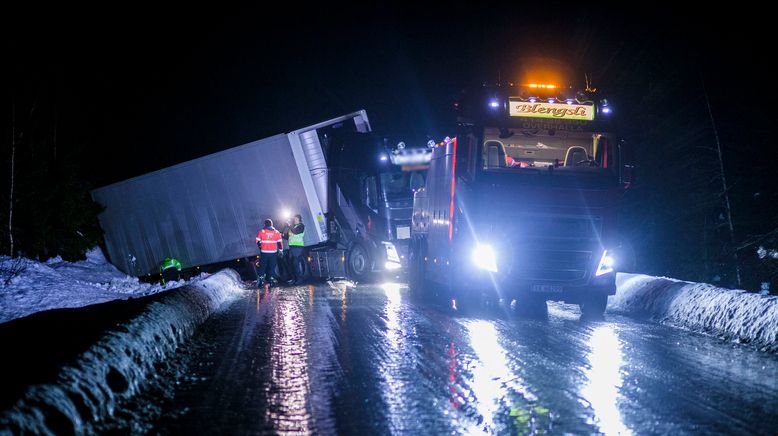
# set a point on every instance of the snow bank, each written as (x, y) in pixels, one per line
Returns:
(733, 314)
(112, 368)
(56, 284)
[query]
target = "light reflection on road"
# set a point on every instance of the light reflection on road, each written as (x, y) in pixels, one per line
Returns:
(398, 366)
(491, 375)
(394, 351)
(605, 380)
(289, 410)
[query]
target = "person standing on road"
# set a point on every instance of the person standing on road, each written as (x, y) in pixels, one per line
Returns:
(295, 233)
(270, 245)
(170, 270)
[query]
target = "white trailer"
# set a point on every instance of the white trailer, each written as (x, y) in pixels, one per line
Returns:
(208, 210)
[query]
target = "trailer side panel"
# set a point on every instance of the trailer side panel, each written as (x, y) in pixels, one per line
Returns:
(204, 211)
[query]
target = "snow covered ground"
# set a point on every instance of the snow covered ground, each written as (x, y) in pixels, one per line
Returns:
(89, 388)
(736, 315)
(58, 284)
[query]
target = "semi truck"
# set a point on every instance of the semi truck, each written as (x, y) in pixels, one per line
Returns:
(346, 182)
(521, 203)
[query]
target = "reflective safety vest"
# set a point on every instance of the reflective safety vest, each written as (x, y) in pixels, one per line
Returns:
(170, 263)
(298, 239)
(268, 240)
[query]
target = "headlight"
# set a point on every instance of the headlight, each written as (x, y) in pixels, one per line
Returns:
(606, 264)
(484, 257)
(392, 265)
(391, 253)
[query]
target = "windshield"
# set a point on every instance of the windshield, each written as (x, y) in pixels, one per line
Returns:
(568, 151)
(401, 185)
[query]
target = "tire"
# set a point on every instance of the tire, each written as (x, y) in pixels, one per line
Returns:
(358, 263)
(593, 306)
(416, 268)
(532, 306)
(420, 288)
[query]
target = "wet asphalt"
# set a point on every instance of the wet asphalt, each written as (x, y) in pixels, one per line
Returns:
(369, 359)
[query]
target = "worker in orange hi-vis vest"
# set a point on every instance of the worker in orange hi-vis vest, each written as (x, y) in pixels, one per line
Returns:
(270, 245)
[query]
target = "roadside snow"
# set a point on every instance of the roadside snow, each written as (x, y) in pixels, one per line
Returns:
(113, 369)
(732, 314)
(58, 284)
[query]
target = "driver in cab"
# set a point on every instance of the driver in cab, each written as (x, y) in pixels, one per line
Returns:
(514, 163)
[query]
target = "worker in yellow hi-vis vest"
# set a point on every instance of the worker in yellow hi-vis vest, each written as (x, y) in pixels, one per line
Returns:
(295, 233)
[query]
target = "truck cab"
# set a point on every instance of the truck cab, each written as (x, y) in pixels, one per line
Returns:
(373, 179)
(521, 204)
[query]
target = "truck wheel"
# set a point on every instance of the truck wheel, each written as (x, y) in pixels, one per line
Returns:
(415, 268)
(593, 306)
(280, 273)
(358, 262)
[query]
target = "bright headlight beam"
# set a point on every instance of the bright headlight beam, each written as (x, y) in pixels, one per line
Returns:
(485, 258)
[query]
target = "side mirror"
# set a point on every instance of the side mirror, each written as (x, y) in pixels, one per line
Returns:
(626, 170)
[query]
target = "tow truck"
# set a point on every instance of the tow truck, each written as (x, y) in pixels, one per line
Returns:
(521, 203)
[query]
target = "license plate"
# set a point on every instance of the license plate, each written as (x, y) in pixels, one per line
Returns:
(403, 232)
(547, 289)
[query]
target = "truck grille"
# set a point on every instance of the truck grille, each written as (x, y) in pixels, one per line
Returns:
(556, 227)
(552, 265)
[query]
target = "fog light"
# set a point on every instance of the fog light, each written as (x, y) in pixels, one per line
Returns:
(607, 262)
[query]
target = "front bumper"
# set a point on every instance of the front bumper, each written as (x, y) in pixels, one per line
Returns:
(553, 291)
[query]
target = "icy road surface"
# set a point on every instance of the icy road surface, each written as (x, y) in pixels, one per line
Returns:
(370, 360)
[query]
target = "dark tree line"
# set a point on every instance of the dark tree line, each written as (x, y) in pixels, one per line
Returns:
(676, 216)
(45, 207)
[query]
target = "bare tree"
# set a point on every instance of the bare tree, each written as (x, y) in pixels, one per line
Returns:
(13, 162)
(725, 189)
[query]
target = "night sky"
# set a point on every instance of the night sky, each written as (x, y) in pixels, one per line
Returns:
(147, 87)
(134, 88)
